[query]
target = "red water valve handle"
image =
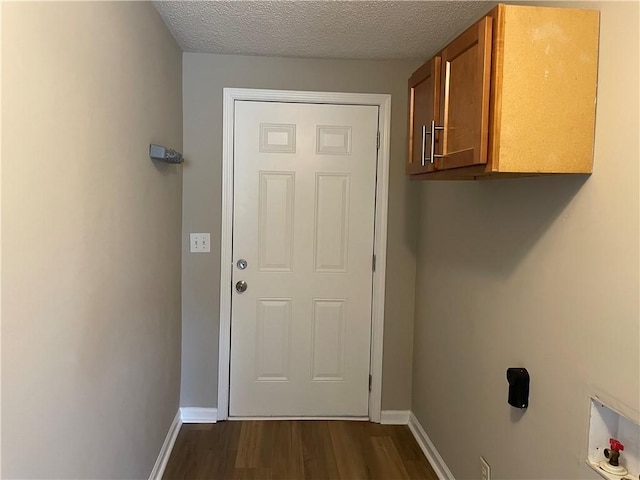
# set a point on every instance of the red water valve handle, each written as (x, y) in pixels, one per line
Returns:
(616, 445)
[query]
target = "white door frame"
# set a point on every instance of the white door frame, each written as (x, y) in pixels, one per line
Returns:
(383, 101)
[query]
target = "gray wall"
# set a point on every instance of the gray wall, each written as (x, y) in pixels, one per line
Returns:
(203, 81)
(540, 273)
(91, 239)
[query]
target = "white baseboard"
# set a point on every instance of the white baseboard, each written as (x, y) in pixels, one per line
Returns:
(429, 449)
(198, 415)
(167, 447)
(394, 417)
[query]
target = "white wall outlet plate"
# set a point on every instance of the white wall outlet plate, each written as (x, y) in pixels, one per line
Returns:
(485, 469)
(199, 242)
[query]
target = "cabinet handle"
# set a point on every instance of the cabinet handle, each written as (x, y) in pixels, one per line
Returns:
(433, 141)
(432, 134)
(424, 143)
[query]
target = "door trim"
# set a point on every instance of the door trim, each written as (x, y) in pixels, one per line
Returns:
(383, 101)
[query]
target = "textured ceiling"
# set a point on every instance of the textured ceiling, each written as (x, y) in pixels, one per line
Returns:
(319, 29)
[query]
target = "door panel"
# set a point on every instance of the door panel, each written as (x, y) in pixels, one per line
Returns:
(328, 339)
(273, 339)
(331, 236)
(466, 69)
(275, 220)
(304, 200)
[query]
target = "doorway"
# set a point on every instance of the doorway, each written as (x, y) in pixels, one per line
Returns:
(304, 206)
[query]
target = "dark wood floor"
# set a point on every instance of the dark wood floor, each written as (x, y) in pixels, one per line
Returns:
(297, 450)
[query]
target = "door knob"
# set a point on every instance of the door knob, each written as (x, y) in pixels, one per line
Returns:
(241, 286)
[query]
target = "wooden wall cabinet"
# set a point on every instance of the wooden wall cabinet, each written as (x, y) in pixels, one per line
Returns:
(514, 95)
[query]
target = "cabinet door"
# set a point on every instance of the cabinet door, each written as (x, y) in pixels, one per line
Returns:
(464, 109)
(424, 86)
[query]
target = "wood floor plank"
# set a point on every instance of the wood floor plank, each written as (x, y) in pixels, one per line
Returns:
(183, 457)
(265, 455)
(221, 444)
(204, 451)
(346, 439)
(406, 444)
(317, 451)
(288, 460)
(250, 445)
(420, 469)
(223, 436)
(251, 474)
(386, 462)
(209, 467)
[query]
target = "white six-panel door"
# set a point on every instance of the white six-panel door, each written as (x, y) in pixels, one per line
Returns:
(304, 205)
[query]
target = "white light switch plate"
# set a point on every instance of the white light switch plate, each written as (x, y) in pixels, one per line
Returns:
(200, 242)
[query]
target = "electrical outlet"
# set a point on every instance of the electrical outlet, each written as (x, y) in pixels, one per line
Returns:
(485, 469)
(200, 242)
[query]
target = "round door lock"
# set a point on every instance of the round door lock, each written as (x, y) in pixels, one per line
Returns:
(241, 286)
(241, 264)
